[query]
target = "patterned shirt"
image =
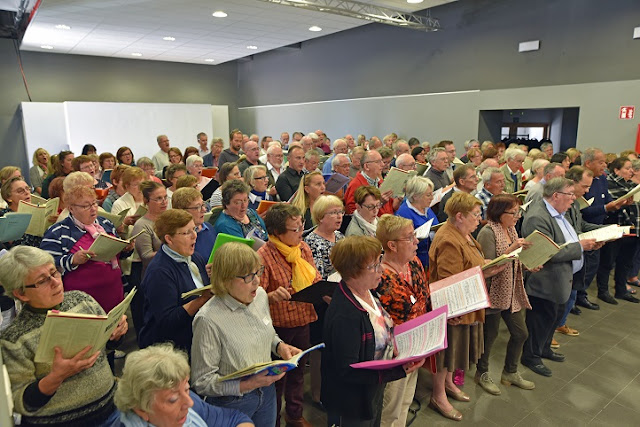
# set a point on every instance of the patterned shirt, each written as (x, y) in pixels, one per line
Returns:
(321, 249)
(485, 197)
(403, 300)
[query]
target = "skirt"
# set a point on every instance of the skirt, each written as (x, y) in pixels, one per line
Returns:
(466, 345)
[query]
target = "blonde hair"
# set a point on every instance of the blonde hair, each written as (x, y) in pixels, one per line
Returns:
(186, 181)
(34, 160)
(462, 203)
(353, 254)
(75, 179)
(232, 259)
(389, 227)
(7, 172)
(322, 205)
(183, 197)
(131, 174)
(74, 194)
(169, 221)
(301, 201)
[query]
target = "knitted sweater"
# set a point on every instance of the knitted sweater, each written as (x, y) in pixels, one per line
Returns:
(83, 399)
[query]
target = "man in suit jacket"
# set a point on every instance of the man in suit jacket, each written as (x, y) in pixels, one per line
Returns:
(512, 169)
(549, 288)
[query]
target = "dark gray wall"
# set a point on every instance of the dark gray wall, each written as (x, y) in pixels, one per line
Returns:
(581, 41)
(58, 78)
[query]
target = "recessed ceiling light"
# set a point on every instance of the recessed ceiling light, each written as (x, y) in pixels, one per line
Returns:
(63, 27)
(136, 54)
(209, 60)
(169, 38)
(219, 14)
(46, 46)
(315, 28)
(414, 1)
(252, 47)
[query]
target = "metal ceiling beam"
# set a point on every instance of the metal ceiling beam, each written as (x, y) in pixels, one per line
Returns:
(358, 10)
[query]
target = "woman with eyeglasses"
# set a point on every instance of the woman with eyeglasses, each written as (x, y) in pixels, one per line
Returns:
(228, 171)
(453, 251)
(125, 156)
(175, 269)
(365, 218)
(508, 298)
(13, 191)
(234, 331)
(236, 217)
(311, 187)
(258, 179)
(404, 294)
(75, 391)
(357, 329)
(190, 200)
(289, 268)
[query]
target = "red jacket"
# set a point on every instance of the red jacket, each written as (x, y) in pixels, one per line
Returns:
(349, 199)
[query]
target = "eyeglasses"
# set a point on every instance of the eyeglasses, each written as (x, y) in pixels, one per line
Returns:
(335, 213)
(255, 178)
(516, 214)
(372, 207)
(45, 280)
(240, 202)
(191, 231)
(248, 278)
(22, 190)
(298, 229)
(476, 215)
(87, 207)
(411, 238)
(375, 266)
(199, 207)
(380, 162)
(566, 194)
(159, 199)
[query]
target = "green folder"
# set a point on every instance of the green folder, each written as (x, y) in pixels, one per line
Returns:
(223, 238)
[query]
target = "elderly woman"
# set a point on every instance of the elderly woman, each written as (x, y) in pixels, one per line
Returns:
(237, 218)
(68, 392)
(175, 269)
(537, 172)
(404, 294)
(453, 251)
(39, 169)
(149, 168)
(258, 179)
(154, 391)
(289, 268)
(14, 190)
(228, 171)
(205, 185)
(311, 187)
(508, 298)
(117, 190)
(107, 162)
(63, 166)
(418, 197)
(190, 200)
(475, 156)
(357, 329)
(69, 241)
(226, 337)
(365, 218)
(125, 156)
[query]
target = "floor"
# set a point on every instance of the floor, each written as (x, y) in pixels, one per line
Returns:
(598, 384)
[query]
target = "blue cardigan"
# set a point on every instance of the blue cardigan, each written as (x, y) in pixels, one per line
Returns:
(164, 318)
(423, 247)
(226, 224)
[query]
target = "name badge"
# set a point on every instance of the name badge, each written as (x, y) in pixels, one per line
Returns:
(413, 299)
(266, 320)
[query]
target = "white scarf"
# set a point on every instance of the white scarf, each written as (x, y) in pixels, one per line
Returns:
(369, 227)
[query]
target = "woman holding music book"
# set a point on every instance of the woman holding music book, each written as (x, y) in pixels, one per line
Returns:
(311, 187)
(70, 392)
(453, 251)
(257, 178)
(357, 329)
(175, 269)
(508, 298)
(237, 218)
(190, 200)
(234, 331)
(13, 191)
(404, 294)
(365, 218)
(68, 242)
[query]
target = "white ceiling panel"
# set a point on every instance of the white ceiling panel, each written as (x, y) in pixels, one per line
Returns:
(121, 27)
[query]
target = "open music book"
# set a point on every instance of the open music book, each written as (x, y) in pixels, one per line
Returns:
(107, 246)
(13, 226)
(39, 215)
(462, 293)
(74, 331)
(610, 232)
(116, 219)
(395, 180)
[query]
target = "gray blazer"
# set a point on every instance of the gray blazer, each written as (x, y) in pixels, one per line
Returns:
(574, 216)
(554, 281)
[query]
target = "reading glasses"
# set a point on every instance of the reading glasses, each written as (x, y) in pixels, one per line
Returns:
(45, 281)
(248, 278)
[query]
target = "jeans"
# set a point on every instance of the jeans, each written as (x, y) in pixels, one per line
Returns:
(258, 404)
(518, 335)
(567, 308)
(292, 385)
(591, 263)
(113, 420)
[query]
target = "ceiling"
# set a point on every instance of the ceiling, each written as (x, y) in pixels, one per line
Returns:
(135, 28)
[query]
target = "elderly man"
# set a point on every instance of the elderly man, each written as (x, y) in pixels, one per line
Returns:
(284, 140)
(370, 169)
(322, 142)
(275, 157)
(549, 288)
(468, 145)
(437, 173)
(387, 158)
(512, 174)
(356, 156)
(547, 148)
(232, 154)
(340, 146)
(493, 184)
(307, 143)
(289, 180)
(311, 161)
(203, 146)
(450, 149)
(406, 162)
(296, 137)
(399, 147)
(340, 164)
(161, 158)
(550, 171)
(349, 139)
(466, 181)
(252, 155)
(375, 143)
(211, 160)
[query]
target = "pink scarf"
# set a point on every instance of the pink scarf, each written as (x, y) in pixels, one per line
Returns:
(94, 231)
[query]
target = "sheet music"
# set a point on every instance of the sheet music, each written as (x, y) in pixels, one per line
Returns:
(423, 339)
(463, 292)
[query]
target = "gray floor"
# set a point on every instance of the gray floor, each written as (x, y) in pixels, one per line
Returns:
(598, 384)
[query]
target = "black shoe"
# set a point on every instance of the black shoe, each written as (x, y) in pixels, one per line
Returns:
(630, 298)
(608, 298)
(538, 368)
(584, 302)
(575, 310)
(554, 356)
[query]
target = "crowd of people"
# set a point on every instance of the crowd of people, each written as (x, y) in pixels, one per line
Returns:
(178, 201)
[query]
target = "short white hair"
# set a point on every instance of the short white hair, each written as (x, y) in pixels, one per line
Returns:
(513, 153)
(313, 135)
(416, 186)
(488, 174)
(336, 160)
(77, 178)
(193, 159)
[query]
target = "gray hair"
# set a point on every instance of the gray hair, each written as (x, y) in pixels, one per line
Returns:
(512, 153)
(144, 161)
(426, 144)
(272, 147)
(468, 142)
(75, 179)
(336, 160)
(486, 163)
(339, 141)
(434, 153)
(192, 159)
(550, 168)
(537, 164)
(556, 185)
(147, 371)
(404, 159)
(544, 145)
(311, 153)
(590, 154)
(251, 171)
(635, 164)
(231, 188)
(365, 157)
(488, 174)
(416, 186)
(18, 263)
(396, 145)
(216, 140)
(313, 135)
